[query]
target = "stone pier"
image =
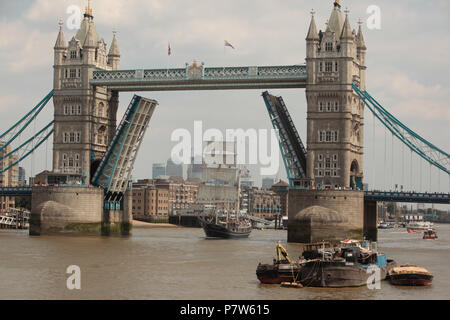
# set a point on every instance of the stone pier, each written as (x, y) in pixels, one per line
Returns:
(76, 210)
(325, 215)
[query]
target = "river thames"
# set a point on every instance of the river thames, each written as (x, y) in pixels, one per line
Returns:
(180, 264)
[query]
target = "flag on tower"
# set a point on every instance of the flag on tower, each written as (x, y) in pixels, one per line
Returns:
(227, 44)
(169, 51)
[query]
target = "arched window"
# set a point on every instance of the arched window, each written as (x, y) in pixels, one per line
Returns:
(100, 109)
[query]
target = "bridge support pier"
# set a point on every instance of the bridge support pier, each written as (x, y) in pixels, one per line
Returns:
(77, 211)
(370, 220)
(325, 215)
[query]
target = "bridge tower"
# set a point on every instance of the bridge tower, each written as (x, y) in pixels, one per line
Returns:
(85, 116)
(333, 208)
(335, 59)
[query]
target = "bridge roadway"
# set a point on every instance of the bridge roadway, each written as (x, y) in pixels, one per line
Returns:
(386, 196)
(196, 77)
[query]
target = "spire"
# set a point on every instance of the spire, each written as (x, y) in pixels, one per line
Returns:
(360, 37)
(312, 33)
(346, 30)
(60, 42)
(336, 21)
(88, 12)
(91, 36)
(114, 50)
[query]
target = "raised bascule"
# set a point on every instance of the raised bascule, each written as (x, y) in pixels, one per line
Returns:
(87, 190)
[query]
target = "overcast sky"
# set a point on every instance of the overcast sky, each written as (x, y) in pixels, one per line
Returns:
(408, 68)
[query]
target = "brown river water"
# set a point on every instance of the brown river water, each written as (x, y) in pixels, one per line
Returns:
(179, 263)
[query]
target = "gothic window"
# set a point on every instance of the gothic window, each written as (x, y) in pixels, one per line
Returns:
(320, 173)
(66, 73)
(78, 137)
(320, 157)
(73, 54)
(320, 68)
(79, 73)
(321, 136)
(77, 157)
(66, 110)
(329, 46)
(321, 106)
(79, 109)
(73, 110)
(328, 136)
(335, 157)
(335, 136)
(65, 137)
(334, 173)
(328, 163)
(327, 173)
(336, 106)
(64, 157)
(72, 137)
(70, 162)
(100, 109)
(73, 73)
(328, 66)
(320, 165)
(329, 106)
(336, 66)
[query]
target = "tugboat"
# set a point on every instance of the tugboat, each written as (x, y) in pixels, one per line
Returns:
(410, 275)
(430, 234)
(282, 270)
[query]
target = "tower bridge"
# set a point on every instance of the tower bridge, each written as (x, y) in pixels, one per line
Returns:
(326, 198)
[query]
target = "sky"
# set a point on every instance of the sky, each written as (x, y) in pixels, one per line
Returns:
(407, 62)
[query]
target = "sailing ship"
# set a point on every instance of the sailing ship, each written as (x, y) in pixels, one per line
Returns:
(220, 195)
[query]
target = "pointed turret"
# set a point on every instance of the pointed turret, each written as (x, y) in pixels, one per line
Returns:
(114, 50)
(346, 30)
(336, 21)
(60, 42)
(91, 39)
(360, 37)
(312, 32)
(114, 53)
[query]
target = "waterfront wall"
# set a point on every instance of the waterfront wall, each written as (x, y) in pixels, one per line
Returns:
(76, 210)
(325, 215)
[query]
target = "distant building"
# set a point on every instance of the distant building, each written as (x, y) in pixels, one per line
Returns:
(246, 178)
(264, 203)
(194, 170)
(158, 169)
(282, 189)
(174, 170)
(267, 183)
(22, 179)
(149, 203)
(9, 178)
(153, 200)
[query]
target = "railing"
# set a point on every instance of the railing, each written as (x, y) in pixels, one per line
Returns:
(397, 196)
(295, 72)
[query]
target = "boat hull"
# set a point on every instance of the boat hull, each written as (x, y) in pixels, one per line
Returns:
(411, 279)
(277, 273)
(218, 231)
(330, 274)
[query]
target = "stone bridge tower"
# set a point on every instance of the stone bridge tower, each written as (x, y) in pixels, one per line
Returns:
(85, 117)
(335, 59)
